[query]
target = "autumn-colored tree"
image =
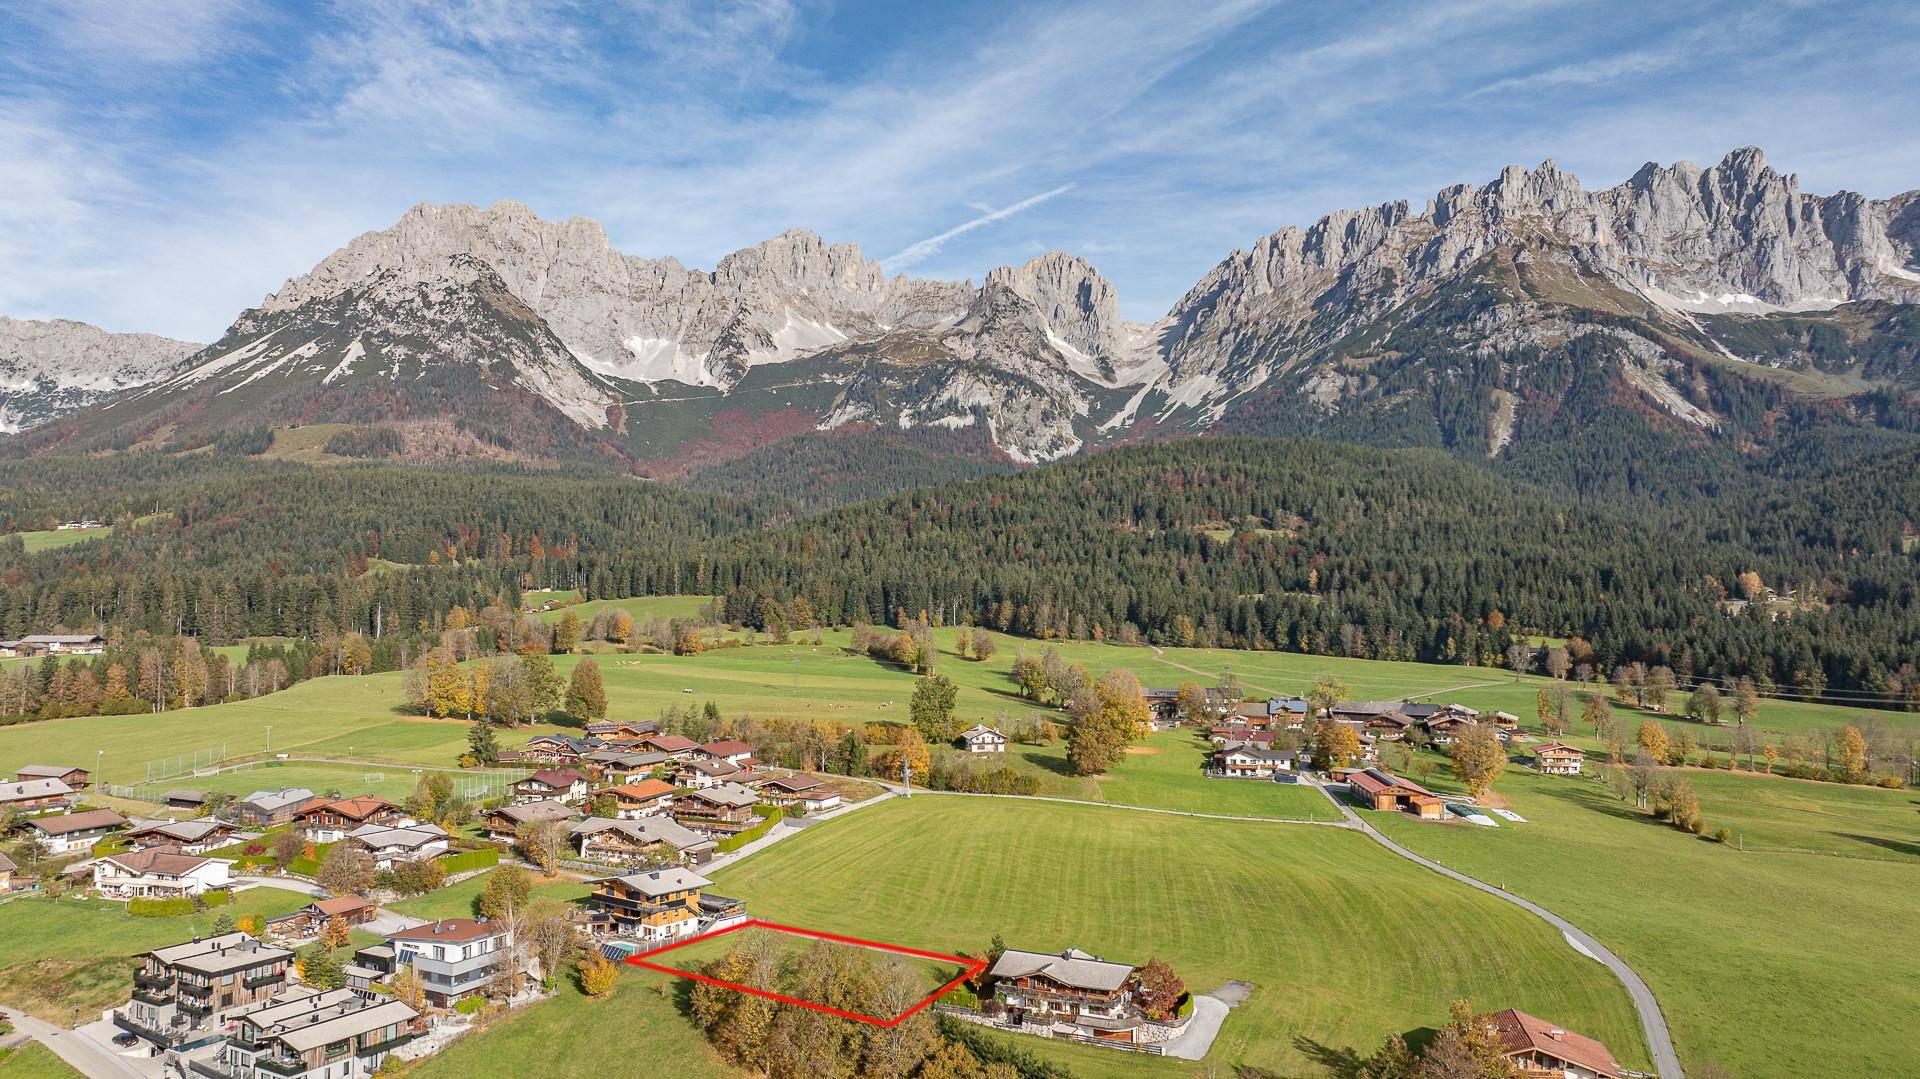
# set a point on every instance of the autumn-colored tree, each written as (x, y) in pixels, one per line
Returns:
(1160, 989)
(1660, 683)
(1478, 758)
(287, 846)
(586, 693)
(542, 842)
(909, 752)
(409, 989)
(622, 631)
(1598, 714)
(1703, 704)
(1750, 586)
(1558, 664)
(1653, 738)
(566, 632)
(356, 654)
(508, 889)
(1030, 675)
(1851, 746)
(984, 647)
(336, 934)
(345, 870)
(1746, 700)
(116, 687)
(1106, 717)
(951, 1061)
(1326, 692)
(1771, 754)
(1335, 744)
(598, 976)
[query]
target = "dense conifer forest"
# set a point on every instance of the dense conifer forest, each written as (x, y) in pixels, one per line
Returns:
(1293, 544)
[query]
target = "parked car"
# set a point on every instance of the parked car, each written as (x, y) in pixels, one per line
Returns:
(126, 1039)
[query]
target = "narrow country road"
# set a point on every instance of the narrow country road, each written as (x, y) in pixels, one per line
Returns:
(1666, 1062)
(88, 1056)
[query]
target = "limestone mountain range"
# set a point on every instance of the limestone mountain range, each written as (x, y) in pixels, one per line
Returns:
(1388, 308)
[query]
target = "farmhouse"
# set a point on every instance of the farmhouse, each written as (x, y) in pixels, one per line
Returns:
(179, 990)
(646, 841)
(660, 904)
(35, 795)
(639, 799)
(1506, 721)
(390, 846)
(270, 809)
(351, 909)
(559, 784)
(185, 799)
(6, 874)
(732, 751)
(77, 778)
(1383, 791)
(1542, 1050)
(196, 836)
(1239, 760)
(699, 773)
(719, 811)
(1558, 759)
(454, 957)
(981, 738)
(303, 1034)
(1163, 705)
(808, 792)
(1239, 734)
(672, 745)
(1445, 728)
(158, 873)
(623, 765)
(60, 644)
(328, 821)
(72, 833)
(619, 730)
(503, 824)
(1072, 992)
(556, 749)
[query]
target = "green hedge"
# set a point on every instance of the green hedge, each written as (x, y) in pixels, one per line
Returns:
(160, 908)
(470, 1005)
(473, 859)
(1185, 1007)
(216, 899)
(737, 841)
(961, 997)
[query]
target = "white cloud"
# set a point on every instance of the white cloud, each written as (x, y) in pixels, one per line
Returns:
(916, 253)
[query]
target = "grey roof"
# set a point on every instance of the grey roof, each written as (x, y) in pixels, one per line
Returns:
(46, 771)
(381, 836)
(1072, 967)
(217, 955)
(664, 881)
(727, 794)
(268, 801)
(33, 788)
(343, 1021)
(60, 638)
(295, 1000)
(6, 864)
(645, 830)
(978, 730)
(187, 831)
(543, 810)
(185, 795)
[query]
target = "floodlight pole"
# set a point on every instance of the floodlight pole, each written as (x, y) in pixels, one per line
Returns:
(906, 775)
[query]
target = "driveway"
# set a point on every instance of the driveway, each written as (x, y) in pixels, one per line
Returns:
(387, 923)
(1194, 1042)
(304, 887)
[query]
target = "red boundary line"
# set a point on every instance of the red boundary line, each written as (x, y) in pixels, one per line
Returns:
(973, 968)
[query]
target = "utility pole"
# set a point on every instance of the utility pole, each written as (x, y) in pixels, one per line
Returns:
(906, 776)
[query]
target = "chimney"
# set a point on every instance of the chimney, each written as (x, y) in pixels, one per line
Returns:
(1557, 1034)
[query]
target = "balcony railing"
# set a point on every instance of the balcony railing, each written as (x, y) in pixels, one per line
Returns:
(281, 1065)
(255, 981)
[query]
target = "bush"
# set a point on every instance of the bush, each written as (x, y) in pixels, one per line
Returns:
(216, 899)
(1185, 1007)
(1724, 835)
(470, 1005)
(961, 997)
(474, 859)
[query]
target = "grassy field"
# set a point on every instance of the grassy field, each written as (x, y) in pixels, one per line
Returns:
(61, 537)
(390, 782)
(1735, 943)
(68, 958)
(34, 1061)
(1336, 935)
(458, 900)
(640, 607)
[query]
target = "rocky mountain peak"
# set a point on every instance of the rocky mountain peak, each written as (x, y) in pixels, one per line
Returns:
(51, 367)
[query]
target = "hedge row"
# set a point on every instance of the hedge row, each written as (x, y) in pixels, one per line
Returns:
(735, 842)
(473, 859)
(160, 908)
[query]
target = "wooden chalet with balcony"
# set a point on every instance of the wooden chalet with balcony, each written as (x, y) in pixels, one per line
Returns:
(661, 904)
(718, 811)
(1072, 993)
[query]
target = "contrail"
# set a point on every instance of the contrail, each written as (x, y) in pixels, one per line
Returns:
(931, 246)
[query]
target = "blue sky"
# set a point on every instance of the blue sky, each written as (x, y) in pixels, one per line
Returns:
(165, 164)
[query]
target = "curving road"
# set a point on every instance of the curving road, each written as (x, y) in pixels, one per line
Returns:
(1653, 1023)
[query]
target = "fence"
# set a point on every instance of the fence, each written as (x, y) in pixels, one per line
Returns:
(185, 764)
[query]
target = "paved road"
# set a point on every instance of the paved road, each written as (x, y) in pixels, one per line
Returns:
(1666, 1061)
(1194, 1042)
(77, 1048)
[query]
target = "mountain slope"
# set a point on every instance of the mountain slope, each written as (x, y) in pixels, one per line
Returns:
(51, 368)
(1686, 310)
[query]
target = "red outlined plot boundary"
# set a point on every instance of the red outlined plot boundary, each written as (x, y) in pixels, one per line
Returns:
(972, 968)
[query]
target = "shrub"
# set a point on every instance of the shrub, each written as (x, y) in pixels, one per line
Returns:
(160, 908)
(254, 850)
(470, 1005)
(216, 899)
(1724, 834)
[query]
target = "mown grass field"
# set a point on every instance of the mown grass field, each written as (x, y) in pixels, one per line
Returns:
(392, 782)
(69, 958)
(1338, 937)
(1738, 945)
(53, 538)
(460, 900)
(34, 1061)
(640, 607)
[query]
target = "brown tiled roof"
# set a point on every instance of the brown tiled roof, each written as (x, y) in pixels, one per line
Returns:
(556, 777)
(341, 904)
(1519, 1033)
(454, 929)
(164, 860)
(644, 791)
(796, 784)
(1557, 749)
(85, 820)
(360, 807)
(728, 748)
(669, 743)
